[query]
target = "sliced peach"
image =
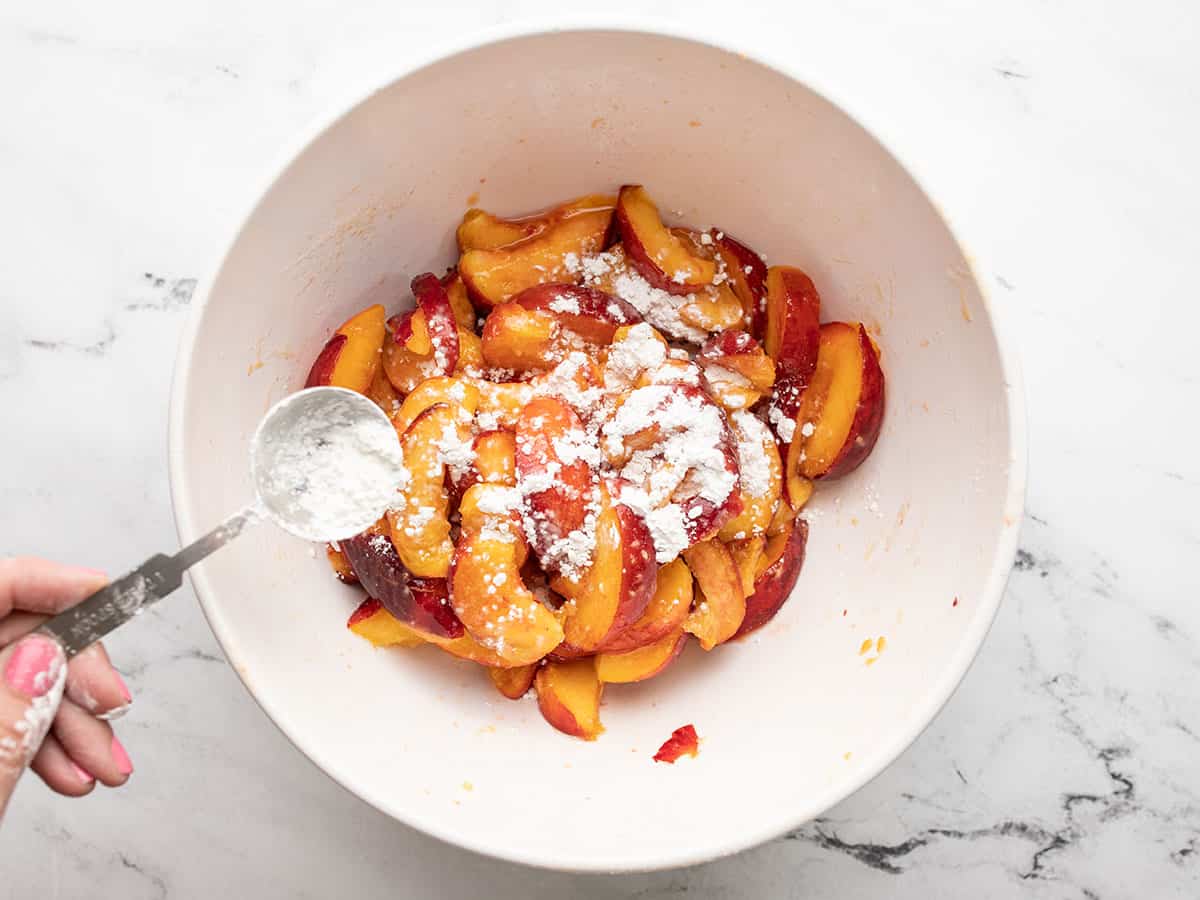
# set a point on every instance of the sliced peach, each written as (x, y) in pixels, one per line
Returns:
(460, 303)
(379, 569)
(371, 621)
(555, 476)
(520, 339)
(513, 683)
(349, 358)
(492, 601)
(404, 368)
(569, 697)
(731, 390)
(493, 462)
(784, 558)
(382, 393)
(493, 277)
(712, 309)
(793, 323)
(437, 315)
(665, 612)
(747, 274)
(480, 230)
(660, 256)
(592, 314)
(450, 390)
(720, 601)
(420, 527)
(799, 490)
(409, 329)
(746, 555)
(782, 519)
(342, 570)
(682, 742)
(620, 582)
(738, 352)
(761, 483)
(644, 662)
(483, 231)
(470, 353)
(841, 410)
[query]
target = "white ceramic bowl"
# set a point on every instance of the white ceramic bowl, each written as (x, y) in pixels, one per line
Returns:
(792, 720)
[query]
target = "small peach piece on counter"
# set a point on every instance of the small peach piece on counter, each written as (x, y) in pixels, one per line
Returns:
(683, 741)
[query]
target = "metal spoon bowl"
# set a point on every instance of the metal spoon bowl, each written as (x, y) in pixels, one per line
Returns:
(298, 505)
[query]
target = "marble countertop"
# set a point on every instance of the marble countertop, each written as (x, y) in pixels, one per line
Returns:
(1063, 136)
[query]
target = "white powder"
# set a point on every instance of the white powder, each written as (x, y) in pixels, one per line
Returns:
(327, 464)
(39, 716)
(565, 303)
(752, 458)
(785, 426)
(628, 358)
(658, 307)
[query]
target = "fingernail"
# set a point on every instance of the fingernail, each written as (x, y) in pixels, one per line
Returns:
(124, 689)
(81, 773)
(121, 758)
(34, 665)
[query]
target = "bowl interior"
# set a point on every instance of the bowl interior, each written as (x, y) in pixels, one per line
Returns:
(792, 719)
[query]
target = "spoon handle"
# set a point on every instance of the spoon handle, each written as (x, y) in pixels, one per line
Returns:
(121, 600)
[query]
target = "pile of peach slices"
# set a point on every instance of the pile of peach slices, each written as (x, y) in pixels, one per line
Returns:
(609, 427)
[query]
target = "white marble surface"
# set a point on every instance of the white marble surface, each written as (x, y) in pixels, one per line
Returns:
(1064, 134)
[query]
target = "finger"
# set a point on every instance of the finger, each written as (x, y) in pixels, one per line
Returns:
(94, 685)
(91, 743)
(34, 671)
(19, 624)
(41, 586)
(59, 771)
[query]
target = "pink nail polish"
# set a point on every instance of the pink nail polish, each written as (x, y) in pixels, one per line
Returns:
(124, 688)
(121, 758)
(34, 665)
(83, 774)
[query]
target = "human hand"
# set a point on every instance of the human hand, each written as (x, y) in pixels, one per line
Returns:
(53, 713)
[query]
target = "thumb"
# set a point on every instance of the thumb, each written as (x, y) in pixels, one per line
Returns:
(34, 670)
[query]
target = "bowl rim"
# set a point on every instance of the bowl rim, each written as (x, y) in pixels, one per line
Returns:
(921, 714)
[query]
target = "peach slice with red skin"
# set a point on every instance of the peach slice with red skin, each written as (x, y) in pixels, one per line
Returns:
(496, 276)
(720, 601)
(435, 317)
(420, 528)
(660, 256)
(513, 683)
(792, 335)
(592, 314)
(841, 410)
(642, 663)
(450, 390)
(493, 462)
(782, 560)
(682, 742)
(569, 697)
(371, 621)
(665, 613)
(545, 425)
(460, 302)
(379, 569)
(618, 585)
(351, 356)
(741, 353)
(481, 230)
(747, 275)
